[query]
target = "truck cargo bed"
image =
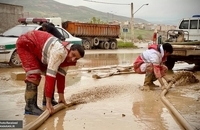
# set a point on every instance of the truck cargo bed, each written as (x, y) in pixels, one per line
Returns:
(91, 29)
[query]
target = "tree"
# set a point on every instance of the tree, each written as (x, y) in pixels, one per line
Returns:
(96, 20)
(140, 37)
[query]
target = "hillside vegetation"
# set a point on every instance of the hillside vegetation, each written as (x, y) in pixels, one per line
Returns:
(50, 8)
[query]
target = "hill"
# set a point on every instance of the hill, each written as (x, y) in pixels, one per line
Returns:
(50, 8)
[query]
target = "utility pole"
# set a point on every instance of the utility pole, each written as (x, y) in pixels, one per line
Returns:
(132, 20)
(132, 24)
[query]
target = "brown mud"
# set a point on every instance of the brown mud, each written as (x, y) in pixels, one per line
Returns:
(112, 103)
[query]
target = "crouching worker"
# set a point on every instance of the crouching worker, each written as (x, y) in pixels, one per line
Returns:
(40, 52)
(150, 63)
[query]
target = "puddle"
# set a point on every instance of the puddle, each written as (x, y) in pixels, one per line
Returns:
(96, 60)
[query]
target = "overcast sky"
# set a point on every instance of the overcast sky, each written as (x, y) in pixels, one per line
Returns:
(157, 10)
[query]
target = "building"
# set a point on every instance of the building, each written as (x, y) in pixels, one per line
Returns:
(9, 15)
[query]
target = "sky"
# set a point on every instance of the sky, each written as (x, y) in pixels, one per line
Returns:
(163, 11)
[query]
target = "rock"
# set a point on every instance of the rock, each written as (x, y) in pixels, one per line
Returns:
(18, 75)
(123, 115)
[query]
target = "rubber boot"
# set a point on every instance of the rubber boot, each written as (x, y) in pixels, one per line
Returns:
(153, 78)
(53, 101)
(147, 81)
(31, 100)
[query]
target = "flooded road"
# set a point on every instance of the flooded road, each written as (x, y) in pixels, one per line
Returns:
(112, 103)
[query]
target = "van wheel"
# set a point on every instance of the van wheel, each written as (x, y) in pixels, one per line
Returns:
(86, 44)
(170, 63)
(15, 60)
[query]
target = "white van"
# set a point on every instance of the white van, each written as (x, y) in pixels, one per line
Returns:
(192, 26)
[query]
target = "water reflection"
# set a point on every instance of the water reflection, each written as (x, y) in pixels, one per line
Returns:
(97, 60)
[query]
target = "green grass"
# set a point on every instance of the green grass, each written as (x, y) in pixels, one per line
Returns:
(143, 34)
(122, 44)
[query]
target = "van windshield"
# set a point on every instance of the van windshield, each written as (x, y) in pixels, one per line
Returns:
(184, 24)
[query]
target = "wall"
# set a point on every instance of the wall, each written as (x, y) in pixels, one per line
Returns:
(9, 15)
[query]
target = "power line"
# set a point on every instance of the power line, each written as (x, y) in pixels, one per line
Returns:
(106, 2)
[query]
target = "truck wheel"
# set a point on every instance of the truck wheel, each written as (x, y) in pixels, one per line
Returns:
(96, 41)
(15, 60)
(106, 45)
(113, 45)
(101, 45)
(86, 44)
(170, 63)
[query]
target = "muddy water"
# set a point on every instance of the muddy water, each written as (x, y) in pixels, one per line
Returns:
(112, 103)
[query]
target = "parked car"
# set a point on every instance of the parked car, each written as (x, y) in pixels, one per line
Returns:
(8, 53)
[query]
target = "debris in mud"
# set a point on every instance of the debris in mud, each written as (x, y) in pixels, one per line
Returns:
(114, 71)
(197, 98)
(5, 78)
(184, 78)
(96, 93)
(123, 115)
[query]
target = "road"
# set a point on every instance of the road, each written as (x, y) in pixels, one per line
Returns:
(112, 103)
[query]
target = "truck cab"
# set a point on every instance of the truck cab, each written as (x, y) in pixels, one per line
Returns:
(185, 40)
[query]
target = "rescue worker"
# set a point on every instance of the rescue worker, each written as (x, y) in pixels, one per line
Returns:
(50, 28)
(39, 52)
(150, 63)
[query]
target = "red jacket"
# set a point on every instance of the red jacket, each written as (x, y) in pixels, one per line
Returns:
(153, 55)
(52, 57)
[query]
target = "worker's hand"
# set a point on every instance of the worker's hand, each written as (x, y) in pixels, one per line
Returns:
(49, 106)
(61, 98)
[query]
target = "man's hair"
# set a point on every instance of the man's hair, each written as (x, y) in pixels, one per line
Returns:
(44, 24)
(79, 48)
(168, 47)
(47, 24)
(51, 24)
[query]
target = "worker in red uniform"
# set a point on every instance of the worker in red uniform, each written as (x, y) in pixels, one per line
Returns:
(39, 52)
(50, 28)
(150, 63)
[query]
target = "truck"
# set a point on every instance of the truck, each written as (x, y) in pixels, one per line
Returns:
(93, 35)
(103, 36)
(185, 40)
